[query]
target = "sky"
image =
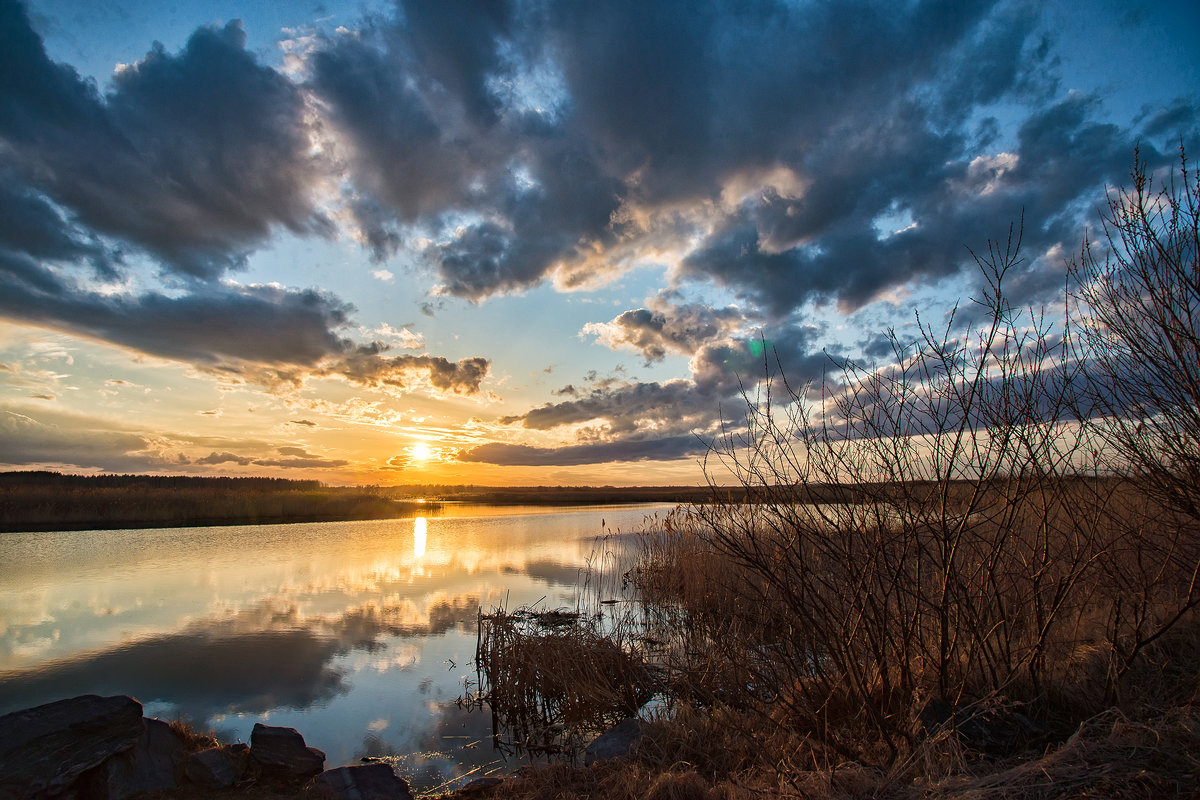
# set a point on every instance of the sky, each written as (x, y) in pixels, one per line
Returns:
(523, 242)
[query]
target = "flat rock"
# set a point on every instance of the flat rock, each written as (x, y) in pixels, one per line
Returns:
(218, 767)
(43, 750)
(366, 782)
(995, 727)
(479, 784)
(154, 763)
(282, 752)
(615, 742)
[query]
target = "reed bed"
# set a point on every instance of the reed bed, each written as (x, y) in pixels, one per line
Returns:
(553, 678)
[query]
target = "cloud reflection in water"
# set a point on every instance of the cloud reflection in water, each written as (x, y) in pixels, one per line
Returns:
(359, 634)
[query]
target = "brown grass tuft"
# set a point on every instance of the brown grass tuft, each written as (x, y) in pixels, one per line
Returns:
(193, 740)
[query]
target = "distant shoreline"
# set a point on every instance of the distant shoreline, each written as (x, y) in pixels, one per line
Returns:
(50, 501)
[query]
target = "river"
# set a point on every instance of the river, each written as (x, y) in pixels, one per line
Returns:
(358, 634)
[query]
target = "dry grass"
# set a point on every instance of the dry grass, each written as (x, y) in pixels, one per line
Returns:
(702, 639)
(193, 740)
(1109, 756)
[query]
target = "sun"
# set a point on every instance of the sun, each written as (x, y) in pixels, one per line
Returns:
(420, 452)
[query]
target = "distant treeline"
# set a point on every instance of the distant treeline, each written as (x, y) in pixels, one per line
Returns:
(44, 478)
(36, 501)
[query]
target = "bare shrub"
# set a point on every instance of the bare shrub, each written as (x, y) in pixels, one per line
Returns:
(1139, 292)
(955, 547)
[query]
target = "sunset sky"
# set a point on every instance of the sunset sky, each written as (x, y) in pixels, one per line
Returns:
(525, 242)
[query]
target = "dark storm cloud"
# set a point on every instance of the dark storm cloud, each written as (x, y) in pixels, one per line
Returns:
(630, 421)
(668, 105)
(428, 141)
(625, 419)
(268, 335)
(655, 449)
(253, 323)
(194, 156)
(782, 252)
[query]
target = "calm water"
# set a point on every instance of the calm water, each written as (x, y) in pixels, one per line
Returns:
(358, 634)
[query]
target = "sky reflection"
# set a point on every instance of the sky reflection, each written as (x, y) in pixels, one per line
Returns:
(359, 634)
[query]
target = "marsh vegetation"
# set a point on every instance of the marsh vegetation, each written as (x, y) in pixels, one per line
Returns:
(1004, 605)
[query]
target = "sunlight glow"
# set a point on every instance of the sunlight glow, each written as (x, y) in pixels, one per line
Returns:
(421, 452)
(420, 535)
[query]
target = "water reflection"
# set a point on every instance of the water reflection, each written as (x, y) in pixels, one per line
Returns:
(346, 631)
(420, 534)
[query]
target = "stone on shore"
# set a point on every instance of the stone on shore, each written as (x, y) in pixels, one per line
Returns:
(282, 753)
(481, 784)
(616, 742)
(367, 782)
(218, 767)
(155, 762)
(43, 750)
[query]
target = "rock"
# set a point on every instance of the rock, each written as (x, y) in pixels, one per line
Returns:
(368, 782)
(479, 784)
(995, 727)
(281, 752)
(155, 762)
(218, 767)
(43, 750)
(615, 742)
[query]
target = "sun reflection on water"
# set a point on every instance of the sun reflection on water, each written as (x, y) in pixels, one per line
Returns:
(420, 534)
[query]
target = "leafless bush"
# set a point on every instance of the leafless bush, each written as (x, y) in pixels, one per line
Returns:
(949, 573)
(1139, 291)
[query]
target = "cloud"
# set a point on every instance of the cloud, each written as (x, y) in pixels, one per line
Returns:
(299, 458)
(750, 144)
(58, 438)
(674, 405)
(752, 140)
(722, 364)
(367, 366)
(224, 458)
(666, 329)
(194, 157)
(267, 334)
(654, 449)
